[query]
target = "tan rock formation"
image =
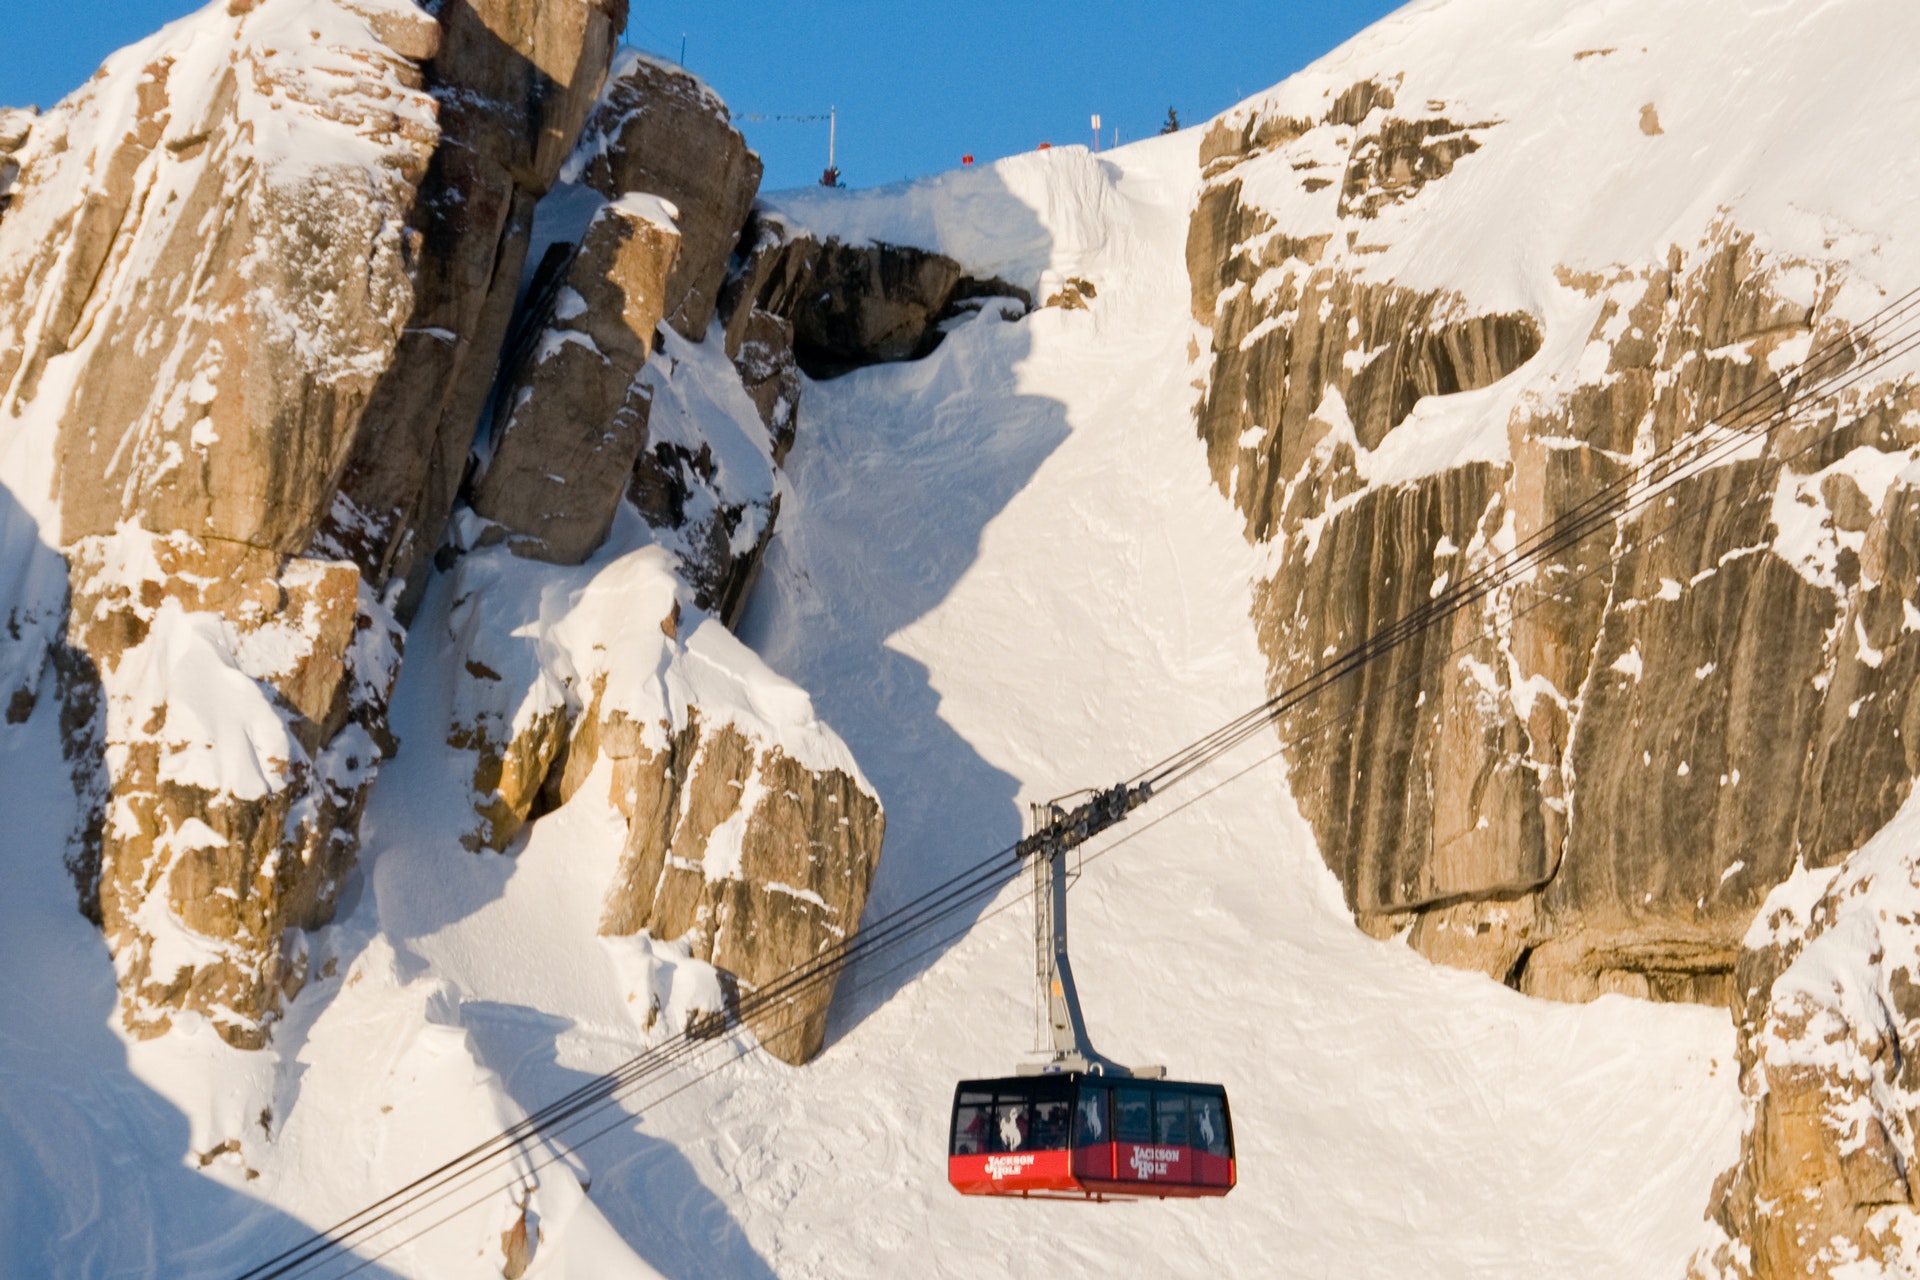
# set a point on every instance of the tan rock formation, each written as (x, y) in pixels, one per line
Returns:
(1577, 784)
(513, 83)
(240, 698)
(574, 406)
(224, 696)
(252, 292)
(704, 478)
(753, 841)
(758, 861)
(1827, 1005)
(214, 383)
(658, 128)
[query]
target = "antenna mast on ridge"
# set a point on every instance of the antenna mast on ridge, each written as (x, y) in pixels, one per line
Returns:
(831, 178)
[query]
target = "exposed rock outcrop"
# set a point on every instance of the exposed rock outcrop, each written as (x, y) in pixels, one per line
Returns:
(849, 304)
(759, 861)
(15, 124)
(512, 84)
(214, 383)
(751, 839)
(199, 392)
(572, 413)
(602, 400)
(258, 282)
(770, 373)
(660, 129)
(1577, 784)
(706, 481)
(1827, 1004)
(574, 434)
(239, 719)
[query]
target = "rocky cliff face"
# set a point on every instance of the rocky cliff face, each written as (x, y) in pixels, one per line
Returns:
(238, 704)
(1657, 763)
(1827, 1001)
(1576, 785)
(660, 130)
(261, 282)
(199, 394)
(751, 837)
(512, 84)
(848, 305)
(573, 407)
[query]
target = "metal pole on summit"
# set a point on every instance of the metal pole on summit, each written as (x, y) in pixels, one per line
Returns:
(831, 178)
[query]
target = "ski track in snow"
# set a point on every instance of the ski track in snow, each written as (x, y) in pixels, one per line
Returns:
(1002, 573)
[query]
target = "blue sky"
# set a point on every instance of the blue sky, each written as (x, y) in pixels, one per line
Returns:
(917, 85)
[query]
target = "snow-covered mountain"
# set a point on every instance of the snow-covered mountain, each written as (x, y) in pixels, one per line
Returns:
(482, 580)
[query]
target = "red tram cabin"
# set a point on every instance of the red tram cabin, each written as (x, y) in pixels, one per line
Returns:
(1100, 1137)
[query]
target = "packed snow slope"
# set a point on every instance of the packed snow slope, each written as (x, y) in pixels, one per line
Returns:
(1001, 572)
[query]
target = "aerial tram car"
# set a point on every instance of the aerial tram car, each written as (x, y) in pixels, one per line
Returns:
(1079, 1125)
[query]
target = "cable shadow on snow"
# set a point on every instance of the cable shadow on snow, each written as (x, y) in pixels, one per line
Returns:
(645, 1188)
(896, 473)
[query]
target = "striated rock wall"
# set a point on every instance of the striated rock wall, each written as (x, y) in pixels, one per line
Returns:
(1576, 785)
(754, 858)
(236, 708)
(214, 383)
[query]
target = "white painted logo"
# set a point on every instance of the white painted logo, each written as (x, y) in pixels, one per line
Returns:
(1152, 1162)
(1006, 1166)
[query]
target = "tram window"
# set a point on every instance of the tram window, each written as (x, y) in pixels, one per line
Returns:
(1170, 1118)
(1090, 1126)
(1133, 1115)
(1012, 1125)
(1050, 1117)
(1209, 1124)
(970, 1119)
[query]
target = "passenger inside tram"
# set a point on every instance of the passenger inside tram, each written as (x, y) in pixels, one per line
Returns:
(1170, 1118)
(970, 1124)
(1050, 1125)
